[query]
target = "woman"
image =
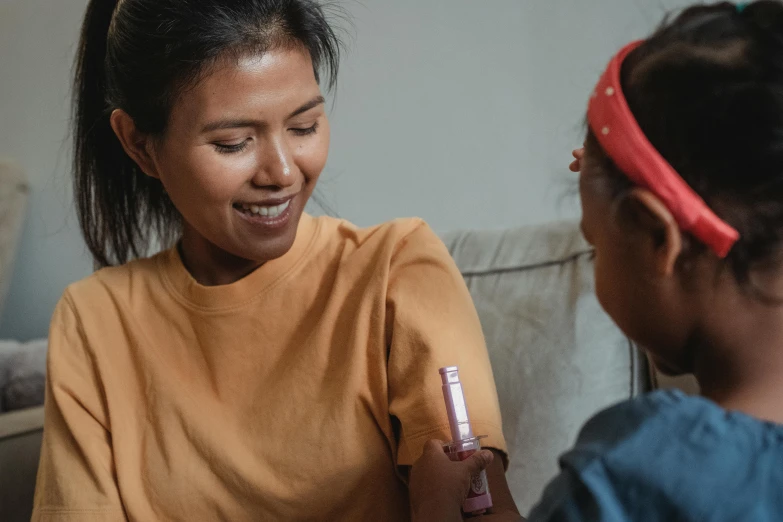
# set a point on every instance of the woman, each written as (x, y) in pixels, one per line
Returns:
(271, 365)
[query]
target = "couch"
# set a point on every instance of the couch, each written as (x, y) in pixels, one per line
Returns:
(20, 430)
(557, 357)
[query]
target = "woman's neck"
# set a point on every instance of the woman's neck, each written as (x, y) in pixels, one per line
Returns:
(210, 265)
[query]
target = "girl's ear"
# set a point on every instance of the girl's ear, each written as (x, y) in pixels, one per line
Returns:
(660, 233)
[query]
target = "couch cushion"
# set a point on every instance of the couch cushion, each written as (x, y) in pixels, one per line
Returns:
(557, 357)
(13, 199)
(22, 374)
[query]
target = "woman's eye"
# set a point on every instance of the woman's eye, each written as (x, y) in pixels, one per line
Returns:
(231, 148)
(306, 131)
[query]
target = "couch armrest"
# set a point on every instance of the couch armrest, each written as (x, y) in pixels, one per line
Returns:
(17, 423)
(21, 433)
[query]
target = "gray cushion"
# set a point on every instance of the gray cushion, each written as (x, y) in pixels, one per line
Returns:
(22, 374)
(557, 357)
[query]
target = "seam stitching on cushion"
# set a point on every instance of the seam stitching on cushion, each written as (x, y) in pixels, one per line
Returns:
(531, 266)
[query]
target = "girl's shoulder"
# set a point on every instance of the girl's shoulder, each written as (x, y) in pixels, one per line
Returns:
(669, 456)
(684, 454)
(676, 417)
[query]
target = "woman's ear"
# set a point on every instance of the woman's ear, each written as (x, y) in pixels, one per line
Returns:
(137, 145)
(660, 231)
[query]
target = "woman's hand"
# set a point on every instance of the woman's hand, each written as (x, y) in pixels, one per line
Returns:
(439, 486)
(576, 165)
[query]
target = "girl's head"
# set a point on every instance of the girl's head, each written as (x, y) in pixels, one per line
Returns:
(203, 118)
(707, 91)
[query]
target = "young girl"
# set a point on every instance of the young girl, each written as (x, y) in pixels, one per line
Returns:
(271, 365)
(682, 195)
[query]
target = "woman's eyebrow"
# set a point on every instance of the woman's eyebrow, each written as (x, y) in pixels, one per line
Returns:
(239, 124)
(315, 102)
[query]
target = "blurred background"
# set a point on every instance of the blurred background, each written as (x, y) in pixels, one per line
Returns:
(463, 112)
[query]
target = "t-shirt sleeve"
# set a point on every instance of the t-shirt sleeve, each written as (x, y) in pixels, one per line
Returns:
(76, 475)
(432, 323)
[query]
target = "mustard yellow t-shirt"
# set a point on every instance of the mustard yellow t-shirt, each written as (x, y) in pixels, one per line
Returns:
(292, 394)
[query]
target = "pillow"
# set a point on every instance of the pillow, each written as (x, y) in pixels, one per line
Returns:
(22, 374)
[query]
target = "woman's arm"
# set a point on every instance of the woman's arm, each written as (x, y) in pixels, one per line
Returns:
(432, 323)
(76, 476)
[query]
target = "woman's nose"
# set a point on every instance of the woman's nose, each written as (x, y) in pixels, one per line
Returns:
(276, 166)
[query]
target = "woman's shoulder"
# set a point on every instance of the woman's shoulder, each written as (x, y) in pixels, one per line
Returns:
(391, 235)
(390, 230)
(115, 281)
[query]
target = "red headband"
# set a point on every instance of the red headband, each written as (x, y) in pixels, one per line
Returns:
(624, 142)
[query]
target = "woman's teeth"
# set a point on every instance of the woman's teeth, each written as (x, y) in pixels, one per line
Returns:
(266, 211)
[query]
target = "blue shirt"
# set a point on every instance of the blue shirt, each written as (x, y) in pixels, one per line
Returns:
(668, 457)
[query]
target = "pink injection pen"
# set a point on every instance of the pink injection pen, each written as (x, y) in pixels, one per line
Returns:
(463, 442)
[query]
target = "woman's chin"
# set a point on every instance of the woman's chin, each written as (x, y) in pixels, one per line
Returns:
(267, 250)
(261, 243)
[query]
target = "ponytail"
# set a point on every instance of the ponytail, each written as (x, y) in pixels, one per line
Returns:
(118, 206)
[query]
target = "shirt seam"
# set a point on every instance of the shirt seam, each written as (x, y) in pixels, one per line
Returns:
(418, 224)
(90, 356)
(441, 427)
(53, 510)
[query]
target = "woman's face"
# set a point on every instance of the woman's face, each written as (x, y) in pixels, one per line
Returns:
(241, 156)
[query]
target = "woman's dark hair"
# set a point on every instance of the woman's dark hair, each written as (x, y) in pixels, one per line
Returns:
(707, 90)
(137, 55)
